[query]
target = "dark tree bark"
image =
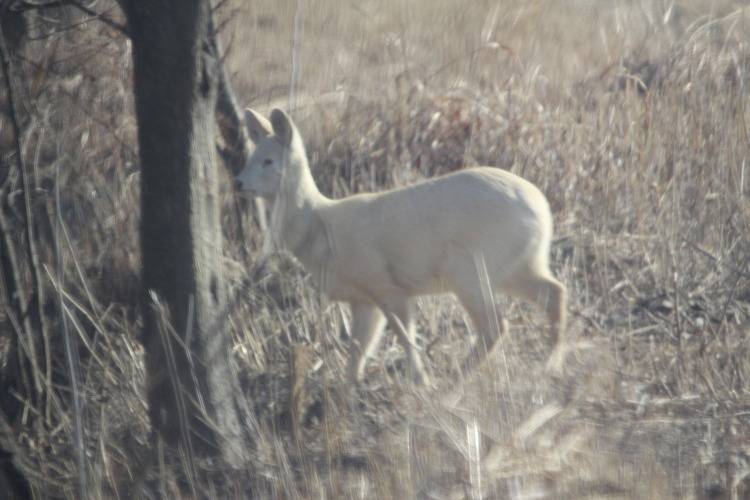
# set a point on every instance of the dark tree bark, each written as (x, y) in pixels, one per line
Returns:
(190, 380)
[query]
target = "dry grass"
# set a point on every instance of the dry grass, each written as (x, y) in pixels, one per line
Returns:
(630, 116)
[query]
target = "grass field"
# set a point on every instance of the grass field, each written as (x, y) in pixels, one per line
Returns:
(630, 116)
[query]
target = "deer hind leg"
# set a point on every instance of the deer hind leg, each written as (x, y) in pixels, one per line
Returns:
(367, 329)
(401, 317)
(488, 322)
(540, 288)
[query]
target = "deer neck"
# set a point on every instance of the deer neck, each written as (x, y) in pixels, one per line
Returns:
(300, 227)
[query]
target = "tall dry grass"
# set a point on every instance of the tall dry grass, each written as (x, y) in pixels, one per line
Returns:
(630, 116)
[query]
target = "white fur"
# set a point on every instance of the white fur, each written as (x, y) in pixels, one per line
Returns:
(378, 251)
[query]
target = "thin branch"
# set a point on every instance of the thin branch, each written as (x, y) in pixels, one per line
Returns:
(230, 119)
(222, 26)
(27, 5)
(16, 462)
(102, 17)
(37, 286)
(16, 297)
(71, 351)
(718, 261)
(219, 5)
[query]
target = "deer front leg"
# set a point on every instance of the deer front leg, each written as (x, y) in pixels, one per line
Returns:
(401, 318)
(367, 328)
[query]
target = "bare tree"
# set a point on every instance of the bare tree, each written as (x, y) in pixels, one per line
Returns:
(192, 389)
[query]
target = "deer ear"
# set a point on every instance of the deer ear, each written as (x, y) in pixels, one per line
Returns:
(257, 126)
(282, 127)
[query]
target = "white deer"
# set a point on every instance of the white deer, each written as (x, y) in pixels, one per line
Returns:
(379, 251)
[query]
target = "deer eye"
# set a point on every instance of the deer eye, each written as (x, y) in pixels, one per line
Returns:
(267, 162)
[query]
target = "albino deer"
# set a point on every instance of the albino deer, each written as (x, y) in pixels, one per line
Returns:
(468, 233)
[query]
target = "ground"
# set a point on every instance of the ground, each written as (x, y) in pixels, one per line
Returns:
(630, 116)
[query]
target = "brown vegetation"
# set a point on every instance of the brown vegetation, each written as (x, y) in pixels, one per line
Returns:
(631, 118)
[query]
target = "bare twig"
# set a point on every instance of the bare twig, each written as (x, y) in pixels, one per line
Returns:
(16, 465)
(37, 286)
(717, 260)
(101, 17)
(229, 117)
(26, 5)
(71, 353)
(16, 296)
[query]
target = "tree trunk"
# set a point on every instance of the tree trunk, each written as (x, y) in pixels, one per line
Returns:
(190, 381)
